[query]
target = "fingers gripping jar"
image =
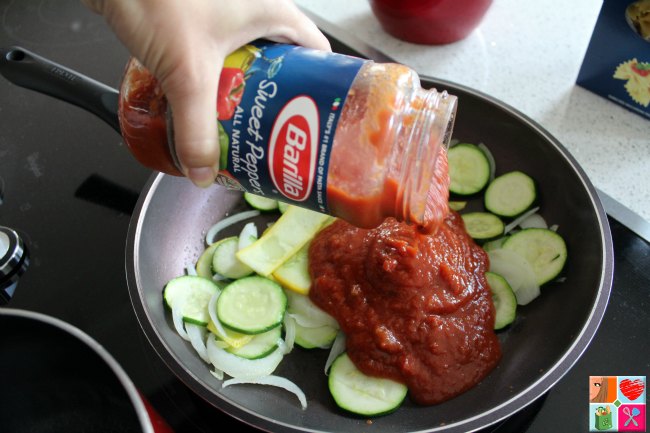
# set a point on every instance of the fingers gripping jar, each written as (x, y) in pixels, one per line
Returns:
(337, 134)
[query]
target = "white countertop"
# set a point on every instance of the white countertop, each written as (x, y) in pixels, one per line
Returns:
(527, 53)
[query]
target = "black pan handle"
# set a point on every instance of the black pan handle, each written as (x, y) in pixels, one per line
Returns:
(34, 72)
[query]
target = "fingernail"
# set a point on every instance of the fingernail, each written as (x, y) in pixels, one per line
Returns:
(201, 176)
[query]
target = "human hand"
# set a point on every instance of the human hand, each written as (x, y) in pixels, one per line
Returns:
(184, 45)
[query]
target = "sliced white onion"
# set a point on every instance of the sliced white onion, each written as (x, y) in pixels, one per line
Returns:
(239, 367)
(221, 344)
(289, 332)
(490, 158)
(554, 227)
(519, 219)
(219, 277)
(190, 270)
(211, 235)
(248, 235)
(338, 347)
(517, 272)
(212, 311)
(217, 373)
(211, 345)
(534, 221)
(177, 317)
(272, 380)
(197, 338)
(282, 346)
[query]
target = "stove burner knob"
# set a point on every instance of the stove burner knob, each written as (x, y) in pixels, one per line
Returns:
(14, 259)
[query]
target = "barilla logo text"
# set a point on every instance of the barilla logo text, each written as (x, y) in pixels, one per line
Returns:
(277, 119)
(293, 147)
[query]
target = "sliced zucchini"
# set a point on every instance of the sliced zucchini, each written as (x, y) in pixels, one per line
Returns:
(192, 295)
(510, 194)
(204, 263)
(321, 337)
(483, 226)
(260, 345)
(505, 302)
(252, 305)
(494, 244)
(518, 273)
(544, 249)
(360, 394)
(286, 236)
(230, 337)
(469, 169)
(457, 205)
(264, 204)
(225, 261)
(294, 273)
(307, 313)
(282, 206)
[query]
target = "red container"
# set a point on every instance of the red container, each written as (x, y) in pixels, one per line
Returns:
(430, 21)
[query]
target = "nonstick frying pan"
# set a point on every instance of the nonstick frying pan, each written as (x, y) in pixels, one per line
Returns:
(544, 342)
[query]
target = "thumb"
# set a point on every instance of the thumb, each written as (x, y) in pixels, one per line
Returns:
(192, 95)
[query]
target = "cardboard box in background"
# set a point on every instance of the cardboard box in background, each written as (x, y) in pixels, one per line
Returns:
(617, 62)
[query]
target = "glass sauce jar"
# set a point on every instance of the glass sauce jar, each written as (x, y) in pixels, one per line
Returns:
(337, 134)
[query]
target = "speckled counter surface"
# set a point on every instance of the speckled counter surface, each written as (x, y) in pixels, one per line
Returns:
(527, 54)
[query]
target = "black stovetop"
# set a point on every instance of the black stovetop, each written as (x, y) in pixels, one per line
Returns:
(68, 185)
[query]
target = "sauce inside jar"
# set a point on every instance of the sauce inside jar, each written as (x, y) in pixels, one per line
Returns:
(415, 308)
(389, 155)
(142, 114)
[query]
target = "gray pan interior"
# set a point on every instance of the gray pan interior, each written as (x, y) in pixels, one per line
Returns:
(546, 339)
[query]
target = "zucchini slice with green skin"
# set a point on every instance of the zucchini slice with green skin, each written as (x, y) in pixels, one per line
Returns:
(457, 205)
(252, 305)
(321, 337)
(260, 346)
(544, 249)
(282, 206)
(510, 194)
(225, 261)
(517, 272)
(363, 395)
(505, 302)
(469, 169)
(294, 272)
(192, 295)
(306, 312)
(264, 204)
(204, 263)
(483, 226)
(494, 244)
(287, 235)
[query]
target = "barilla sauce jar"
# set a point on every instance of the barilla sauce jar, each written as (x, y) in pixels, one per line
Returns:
(337, 134)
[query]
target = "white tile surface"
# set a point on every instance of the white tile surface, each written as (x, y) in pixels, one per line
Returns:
(527, 53)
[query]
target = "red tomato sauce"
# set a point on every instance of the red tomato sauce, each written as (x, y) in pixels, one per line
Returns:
(368, 210)
(142, 113)
(415, 308)
(380, 136)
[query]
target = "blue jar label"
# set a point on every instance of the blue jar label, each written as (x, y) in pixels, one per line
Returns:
(279, 106)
